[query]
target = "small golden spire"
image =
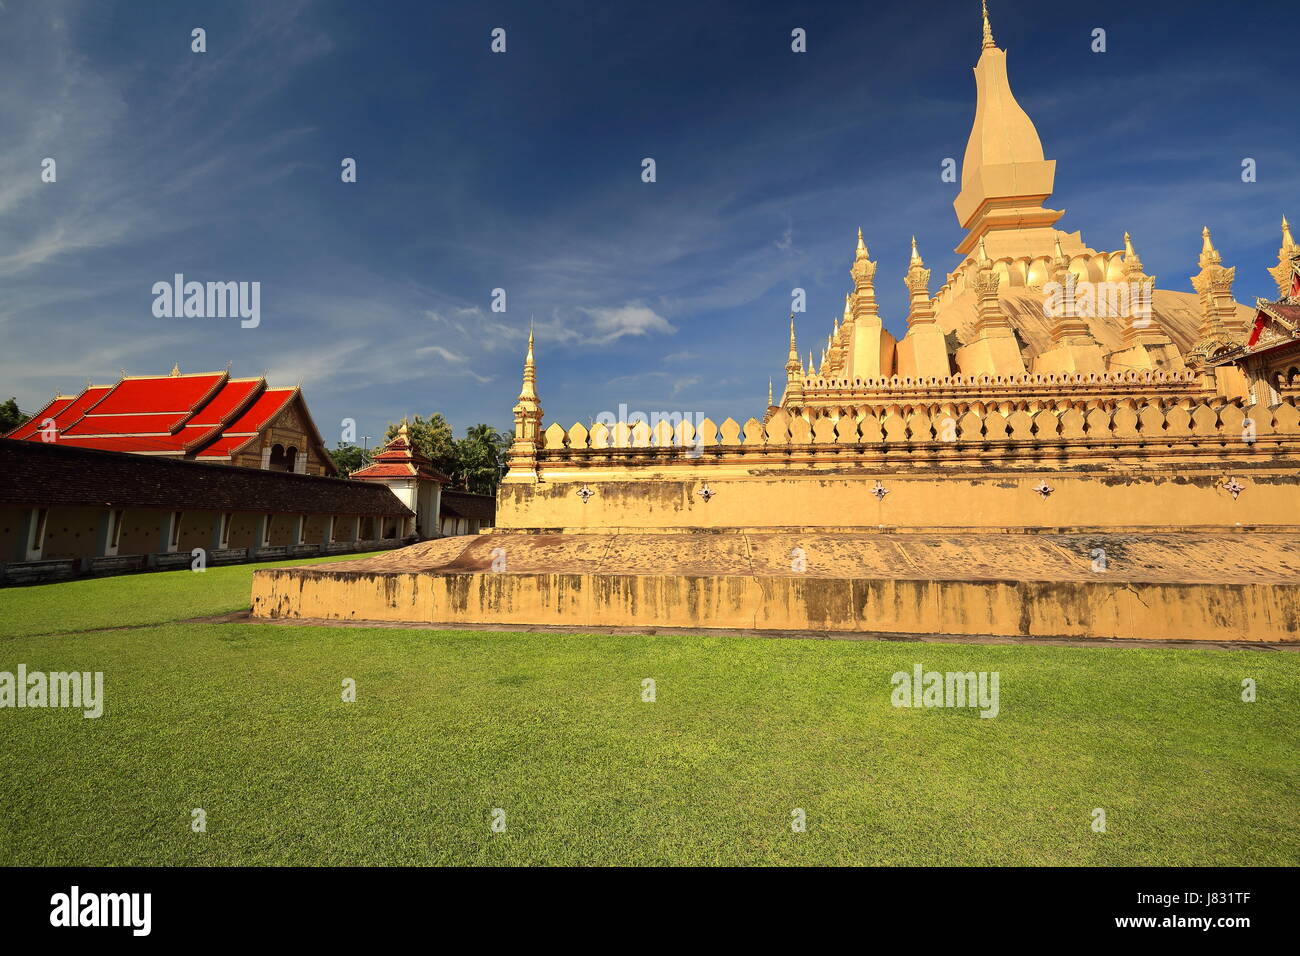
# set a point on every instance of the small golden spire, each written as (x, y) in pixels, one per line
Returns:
(1287, 241)
(1209, 255)
(528, 392)
(792, 364)
(176, 370)
(916, 256)
(769, 393)
(1060, 254)
(988, 30)
(982, 254)
(862, 246)
(1128, 246)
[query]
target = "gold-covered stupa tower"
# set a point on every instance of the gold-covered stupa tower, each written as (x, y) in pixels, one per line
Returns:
(1027, 301)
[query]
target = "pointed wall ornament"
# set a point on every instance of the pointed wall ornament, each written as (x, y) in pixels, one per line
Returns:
(879, 491)
(584, 493)
(1233, 487)
(1043, 489)
(706, 492)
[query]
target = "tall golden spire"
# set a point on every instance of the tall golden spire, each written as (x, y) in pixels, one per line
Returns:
(793, 373)
(529, 389)
(769, 393)
(1004, 175)
(1282, 272)
(528, 424)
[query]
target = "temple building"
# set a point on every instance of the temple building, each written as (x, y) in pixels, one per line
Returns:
(1270, 357)
(410, 476)
(207, 417)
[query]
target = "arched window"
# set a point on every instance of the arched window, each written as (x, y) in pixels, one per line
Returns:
(291, 458)
(279, 460)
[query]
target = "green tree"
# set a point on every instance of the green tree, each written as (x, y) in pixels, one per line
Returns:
(431, 437)
(481, 459)
(474, 463)
(10, 416)
(349, 458)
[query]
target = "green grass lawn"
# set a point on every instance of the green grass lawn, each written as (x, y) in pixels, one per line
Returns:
(247, 722)
(153, 598)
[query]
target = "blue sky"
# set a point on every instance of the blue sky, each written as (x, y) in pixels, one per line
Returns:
(522, 171)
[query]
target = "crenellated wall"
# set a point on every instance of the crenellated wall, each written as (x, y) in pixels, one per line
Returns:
(924, 468)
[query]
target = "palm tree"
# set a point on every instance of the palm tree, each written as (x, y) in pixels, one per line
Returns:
(481, 459)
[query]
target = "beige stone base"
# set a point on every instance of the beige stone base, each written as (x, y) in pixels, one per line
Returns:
(1175, 586)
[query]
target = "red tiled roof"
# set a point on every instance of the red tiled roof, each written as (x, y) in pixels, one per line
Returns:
(156, 405)
(165, 415)
(67, 412)
(245, 428)
(162, 393)
(155, 424)
(30, 427)
(385, 470)
(267, 406)
(228, 401)
(400, 459)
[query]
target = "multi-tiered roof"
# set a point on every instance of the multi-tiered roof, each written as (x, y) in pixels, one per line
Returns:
(206, 416)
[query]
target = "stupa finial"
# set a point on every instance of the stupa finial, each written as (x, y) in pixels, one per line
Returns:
(1209, 254)
(988, 30)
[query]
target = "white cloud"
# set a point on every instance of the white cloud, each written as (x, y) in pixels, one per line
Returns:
(613, 324)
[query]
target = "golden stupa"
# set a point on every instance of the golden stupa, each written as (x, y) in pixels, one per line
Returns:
(1055, 448)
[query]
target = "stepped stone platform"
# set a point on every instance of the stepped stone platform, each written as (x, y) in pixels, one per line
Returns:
(1224, 586)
